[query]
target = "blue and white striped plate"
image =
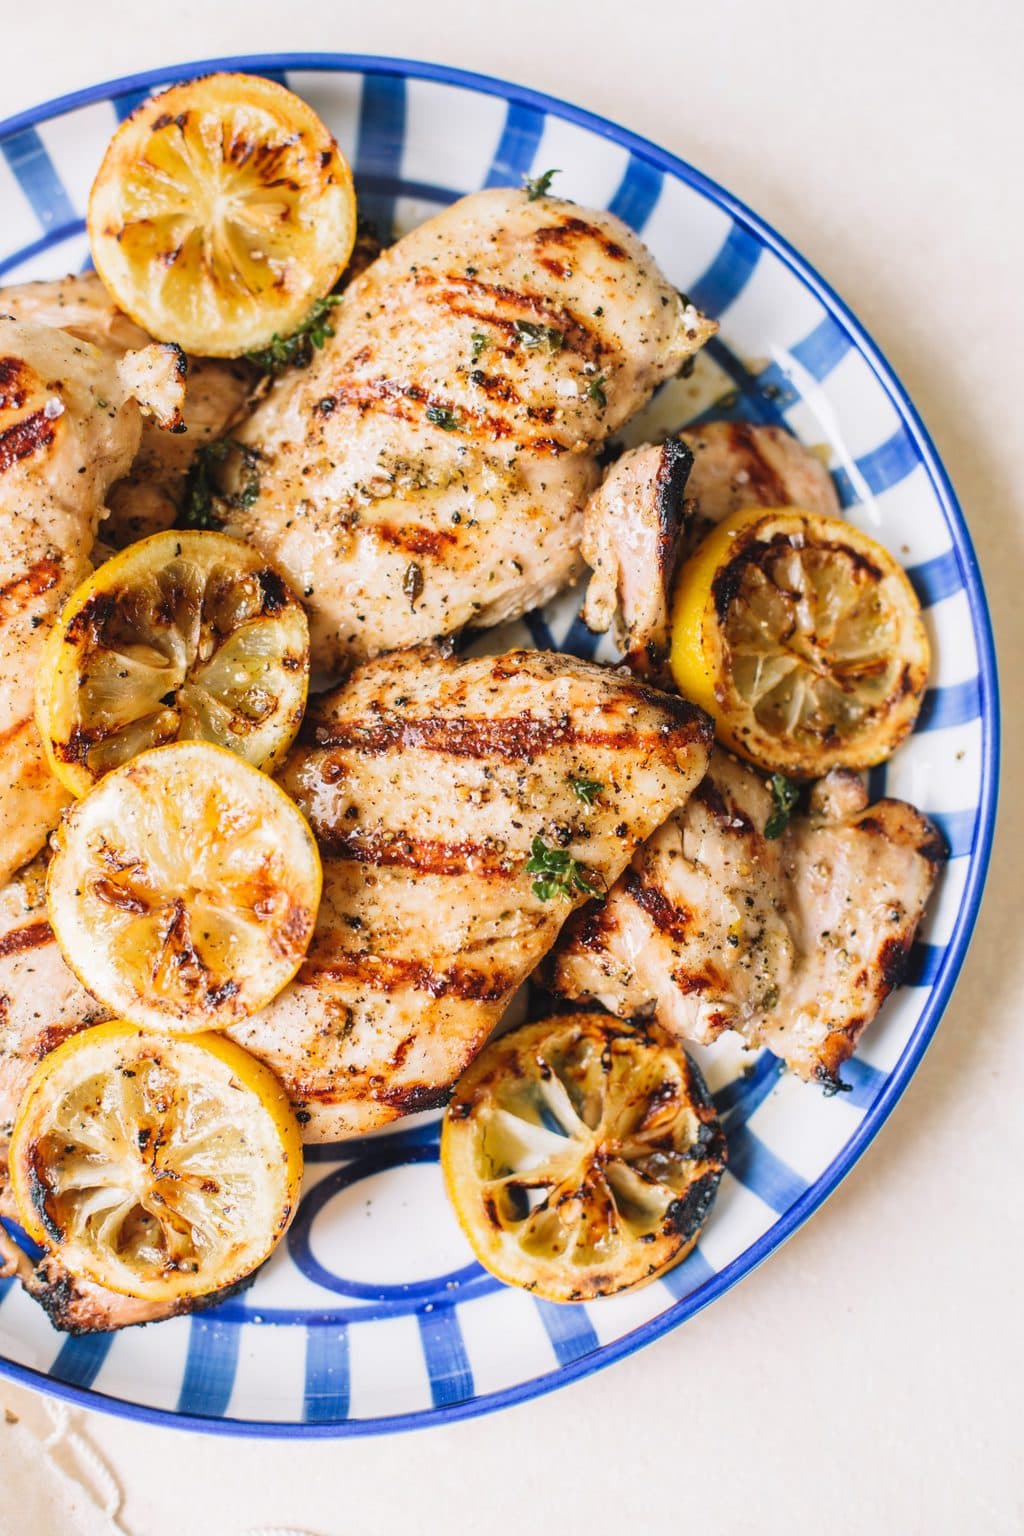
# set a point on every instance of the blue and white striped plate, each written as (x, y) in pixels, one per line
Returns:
(373, 1316)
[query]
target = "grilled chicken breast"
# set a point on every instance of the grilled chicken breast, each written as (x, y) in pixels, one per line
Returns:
(430, 468)
(632, 536)
(793, 942)
(737, 464)
(70, 424)
(149, 497)
(428, 782)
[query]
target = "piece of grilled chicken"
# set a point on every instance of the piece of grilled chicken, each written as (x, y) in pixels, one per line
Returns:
(656, 504)
(633, 530)
(739, 464)
(429, 470)
(793, 942)
(149, 497)
(70, 423)
(428, 781)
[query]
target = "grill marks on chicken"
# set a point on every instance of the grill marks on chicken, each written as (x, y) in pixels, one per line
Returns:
(793, 942)
(427, 781)
(737, 464)
(70, 424)
(429, 470)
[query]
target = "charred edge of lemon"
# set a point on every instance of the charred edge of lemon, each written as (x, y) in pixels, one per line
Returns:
(169, 1023)
(31, 1191)
(485, 1230)
(699, 650)
(73, 638)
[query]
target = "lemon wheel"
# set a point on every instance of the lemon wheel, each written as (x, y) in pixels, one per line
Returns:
(183, 889)
(184, 635)
(582, 1156)
(158, 1167)
(221, 212)
(802, 638)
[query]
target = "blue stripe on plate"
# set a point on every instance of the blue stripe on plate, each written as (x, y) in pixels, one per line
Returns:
(79, 1361)
(923, 964)
(688, 1276)
(540, 633)
(125, 105)
(751, 401)
(864, 1082)
(637, 193)
(451, 1378)
(957, 827)
(822, 349)
(27, 156)
(210, 1366)
(878, 778)
(379, 146)
(881, 468)
(746, 1093)
(936, 579)
(517, 146)
(580, 641)
(729, 273)
(955, 705)
(889, 463)
(45, 242)
(327, 1389)
(758, 1169)
(569, 1329)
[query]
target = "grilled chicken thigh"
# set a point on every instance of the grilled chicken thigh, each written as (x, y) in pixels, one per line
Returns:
(793, 942)
(428, 782)
(430, 468)
(149, 497)
(655, 505)
(632, 536)
(737, 464)
(69, 426)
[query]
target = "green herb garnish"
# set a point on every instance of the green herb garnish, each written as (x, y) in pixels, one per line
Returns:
(296, 350)
(538, 337)
(481, 342)
(538, 186)
(595, 389)
(785, 795)
(560, 874)
(586, 790)
(440, 416)
(202, 490)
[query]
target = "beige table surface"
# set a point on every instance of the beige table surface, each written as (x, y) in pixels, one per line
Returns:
(870, 1377)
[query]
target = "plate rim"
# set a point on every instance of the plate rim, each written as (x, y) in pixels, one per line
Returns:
(945, 980)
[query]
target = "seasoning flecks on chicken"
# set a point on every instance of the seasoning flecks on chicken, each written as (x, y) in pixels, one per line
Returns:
(70, 424)
(149, 497)
(429, 470)
(794, 942)
(428, 782)
(632, 536)
(738, 464)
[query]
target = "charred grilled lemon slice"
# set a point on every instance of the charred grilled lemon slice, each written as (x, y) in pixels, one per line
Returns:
(582, 1156)
(802, 638)
(222, 211)
(184, 635)
(183, 889)
(158, 1167)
